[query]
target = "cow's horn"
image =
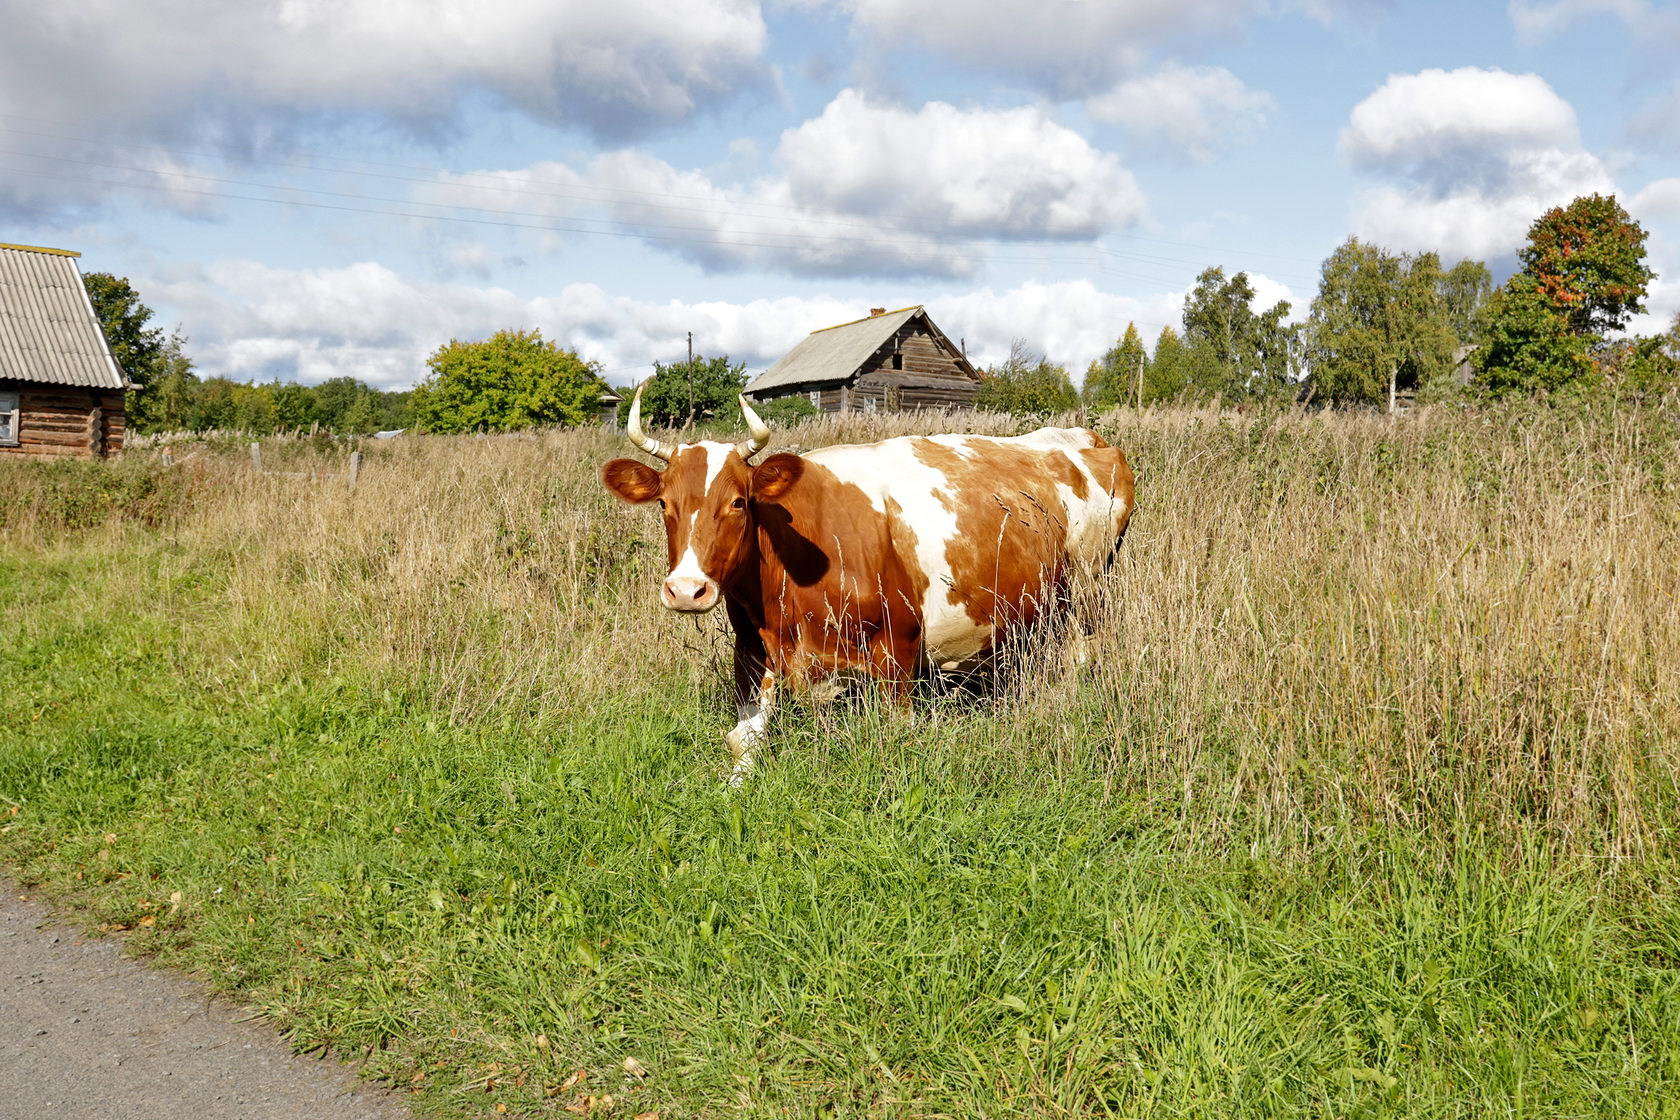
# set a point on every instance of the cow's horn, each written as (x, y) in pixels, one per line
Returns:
(759, 429)
(633, 429)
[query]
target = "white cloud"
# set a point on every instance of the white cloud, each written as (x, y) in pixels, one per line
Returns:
(1069, 48)
(240, 70)
(1193, 110)
(1657, 209)
(1539, 21)
(252, 321)
(249, 320)
(1474, 156)
(1659, 199)
(864, 188)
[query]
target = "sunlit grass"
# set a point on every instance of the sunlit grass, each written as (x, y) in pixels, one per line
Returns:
(1362, 804)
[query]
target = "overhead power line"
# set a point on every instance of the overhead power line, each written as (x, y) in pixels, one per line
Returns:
(847, 233)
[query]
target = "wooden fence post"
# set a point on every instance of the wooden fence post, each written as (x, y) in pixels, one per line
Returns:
(256, 457)
(355, 466)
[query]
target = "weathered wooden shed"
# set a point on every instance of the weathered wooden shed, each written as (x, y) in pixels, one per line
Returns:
(892, 361)
(62, 393)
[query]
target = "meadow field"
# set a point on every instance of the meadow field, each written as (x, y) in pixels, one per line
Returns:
(1363, 802)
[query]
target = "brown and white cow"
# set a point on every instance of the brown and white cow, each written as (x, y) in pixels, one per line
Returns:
(893, 560)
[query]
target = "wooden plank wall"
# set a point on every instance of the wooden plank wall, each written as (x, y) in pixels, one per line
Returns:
(927, 376)
(66, 421)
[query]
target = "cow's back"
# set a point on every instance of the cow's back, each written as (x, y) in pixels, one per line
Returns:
(991, 527)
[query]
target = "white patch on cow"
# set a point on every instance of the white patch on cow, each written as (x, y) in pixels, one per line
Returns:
(894, 479)
(688, 566)
(890, 473)
(748, 732)
(717, 454)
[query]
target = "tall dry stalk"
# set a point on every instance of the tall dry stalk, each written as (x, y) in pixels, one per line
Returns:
(1454, 618)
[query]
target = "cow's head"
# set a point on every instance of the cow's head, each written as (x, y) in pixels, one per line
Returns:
(706, 494)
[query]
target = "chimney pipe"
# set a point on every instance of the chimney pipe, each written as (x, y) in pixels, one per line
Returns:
(874, 311)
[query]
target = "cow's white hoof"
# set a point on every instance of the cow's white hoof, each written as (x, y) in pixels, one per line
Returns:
(738, 776)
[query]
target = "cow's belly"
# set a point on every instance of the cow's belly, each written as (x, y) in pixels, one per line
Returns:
(951, 640)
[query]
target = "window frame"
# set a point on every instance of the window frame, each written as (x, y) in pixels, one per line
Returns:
(13, 423)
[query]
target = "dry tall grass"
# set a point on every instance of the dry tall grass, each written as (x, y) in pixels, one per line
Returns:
(1450, 619)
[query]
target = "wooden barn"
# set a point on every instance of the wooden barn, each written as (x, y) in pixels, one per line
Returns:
(893, 361)
(62, 393)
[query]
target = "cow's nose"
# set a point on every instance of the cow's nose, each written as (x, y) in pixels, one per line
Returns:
(690, 593)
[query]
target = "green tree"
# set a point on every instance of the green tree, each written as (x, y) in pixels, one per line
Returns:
(1113, 379)
(513, 379)
(146, 354)
(294, 406)
(1583, 273)
(1588, 261)
(1168, 373)
(174, 395)
(665, 400)
(1233, 351)
(1528, 347)
(1379, 323)
(786, 411)
(1465, 289)
(1026, 384)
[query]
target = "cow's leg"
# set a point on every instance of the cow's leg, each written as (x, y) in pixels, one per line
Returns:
(893, 665)
(755, 694)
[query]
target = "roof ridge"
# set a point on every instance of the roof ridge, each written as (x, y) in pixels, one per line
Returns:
(40, 249)
(867, 318)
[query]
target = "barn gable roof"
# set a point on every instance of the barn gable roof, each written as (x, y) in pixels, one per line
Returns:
(832, 354)
(48, 331)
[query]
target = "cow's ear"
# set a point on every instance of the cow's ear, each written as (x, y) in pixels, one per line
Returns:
(775, 476)
(630, 480)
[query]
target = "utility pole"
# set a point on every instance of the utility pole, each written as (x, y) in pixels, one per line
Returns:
(1140, 381)
(691, 377)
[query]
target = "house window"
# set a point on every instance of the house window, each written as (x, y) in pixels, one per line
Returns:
(816, 397)
(9, 415)
(869, 404)
(898, 361)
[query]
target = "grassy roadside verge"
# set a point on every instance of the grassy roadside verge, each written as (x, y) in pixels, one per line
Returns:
(902, 916)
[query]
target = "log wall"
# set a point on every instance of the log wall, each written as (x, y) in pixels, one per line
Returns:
(66, 421)
(912, 370)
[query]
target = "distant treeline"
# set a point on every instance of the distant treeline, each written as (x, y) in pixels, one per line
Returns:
(180, 401)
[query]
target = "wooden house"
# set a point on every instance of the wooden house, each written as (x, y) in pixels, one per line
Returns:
(893, 361)
(62, 393)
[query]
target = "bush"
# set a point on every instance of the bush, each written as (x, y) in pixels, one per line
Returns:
(513, 379)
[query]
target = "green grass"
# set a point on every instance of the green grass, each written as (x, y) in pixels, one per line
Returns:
(899, 916)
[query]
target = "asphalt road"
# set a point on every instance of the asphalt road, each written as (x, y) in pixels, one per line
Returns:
(89, 1034)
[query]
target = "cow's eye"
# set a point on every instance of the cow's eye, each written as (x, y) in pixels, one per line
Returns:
(661, 503)
(738, 503)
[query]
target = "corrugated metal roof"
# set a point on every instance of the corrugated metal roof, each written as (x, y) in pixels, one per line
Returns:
(48, 332)
(832, 353)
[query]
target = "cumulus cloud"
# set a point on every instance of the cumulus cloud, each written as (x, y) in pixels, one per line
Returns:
(1657, 209)
(1473, 157)
(251, 320)
(241, 68)
(864, 188)
(1195, 111)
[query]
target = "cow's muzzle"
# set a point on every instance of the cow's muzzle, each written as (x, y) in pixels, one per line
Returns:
(690, 593)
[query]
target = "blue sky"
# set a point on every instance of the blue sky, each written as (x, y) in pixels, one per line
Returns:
(312, 189)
